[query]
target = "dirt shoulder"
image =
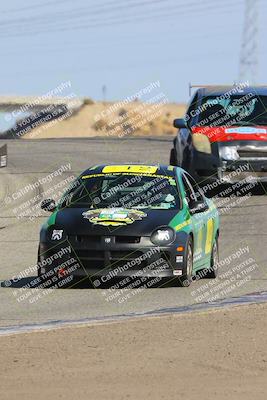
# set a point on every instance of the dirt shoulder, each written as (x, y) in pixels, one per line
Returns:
(218, 354)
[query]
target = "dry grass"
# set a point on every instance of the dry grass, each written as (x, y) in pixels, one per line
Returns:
(106, 119)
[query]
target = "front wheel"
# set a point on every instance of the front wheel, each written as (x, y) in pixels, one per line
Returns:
(212, 272)
(188, 269)
(173, 160)
(38, 261)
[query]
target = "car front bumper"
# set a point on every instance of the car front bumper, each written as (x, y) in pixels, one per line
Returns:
(105, 262)
(250, 164)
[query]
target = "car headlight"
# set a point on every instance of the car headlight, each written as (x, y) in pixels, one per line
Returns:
(201, 143)
(163, 236)
(229, 153)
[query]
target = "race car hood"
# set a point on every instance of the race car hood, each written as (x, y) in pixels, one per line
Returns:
(84, 221)
(232, 133)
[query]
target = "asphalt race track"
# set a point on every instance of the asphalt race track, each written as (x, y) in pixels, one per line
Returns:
(243, 249)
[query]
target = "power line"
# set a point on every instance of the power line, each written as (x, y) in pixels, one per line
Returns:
(82, 11)
(116, 21)
(49, 3)
(33, 7)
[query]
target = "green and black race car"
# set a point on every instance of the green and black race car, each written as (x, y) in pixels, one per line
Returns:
(130, 221)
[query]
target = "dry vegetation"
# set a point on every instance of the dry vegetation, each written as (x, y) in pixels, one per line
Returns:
(110, 119)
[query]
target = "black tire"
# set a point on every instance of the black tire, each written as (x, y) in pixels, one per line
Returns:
(38, 260)
(186, 162)
(188, 268)
(173, 160)
(213, 272)
(176, 156)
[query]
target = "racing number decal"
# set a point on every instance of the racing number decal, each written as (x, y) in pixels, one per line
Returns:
(210, 227)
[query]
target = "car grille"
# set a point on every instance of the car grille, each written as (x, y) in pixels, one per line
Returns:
(91, 239)
(99, 259)
(89, 260)
(90, 254)
(86, 239)
(127, 239)
(125, 255)
(245, 154)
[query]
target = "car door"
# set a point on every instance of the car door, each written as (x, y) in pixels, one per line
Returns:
(199, 220)
(208, 216)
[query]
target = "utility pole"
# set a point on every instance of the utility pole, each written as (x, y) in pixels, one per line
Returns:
(104, 93)
(248, 69)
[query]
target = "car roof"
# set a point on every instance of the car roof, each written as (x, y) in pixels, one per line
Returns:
(156, 169)
(235, 90)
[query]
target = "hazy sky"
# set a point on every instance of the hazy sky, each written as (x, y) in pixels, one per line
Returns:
(124, 44)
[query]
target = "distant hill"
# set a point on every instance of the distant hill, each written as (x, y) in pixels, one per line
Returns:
(89, 118)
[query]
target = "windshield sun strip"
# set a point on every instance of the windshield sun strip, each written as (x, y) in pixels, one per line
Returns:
(127, 174)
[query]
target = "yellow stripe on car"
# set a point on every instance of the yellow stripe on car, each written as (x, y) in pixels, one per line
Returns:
(200, 240)
(208, 245)
(182, 225)
(147, 169)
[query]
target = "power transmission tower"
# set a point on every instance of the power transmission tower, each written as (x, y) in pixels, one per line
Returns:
(249, 50)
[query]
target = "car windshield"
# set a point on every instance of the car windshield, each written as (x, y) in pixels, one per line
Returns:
(123, 191)
(242, 110)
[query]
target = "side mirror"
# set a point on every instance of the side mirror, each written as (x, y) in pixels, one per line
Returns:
(48, 205)
(179, 123)
(198, 206)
